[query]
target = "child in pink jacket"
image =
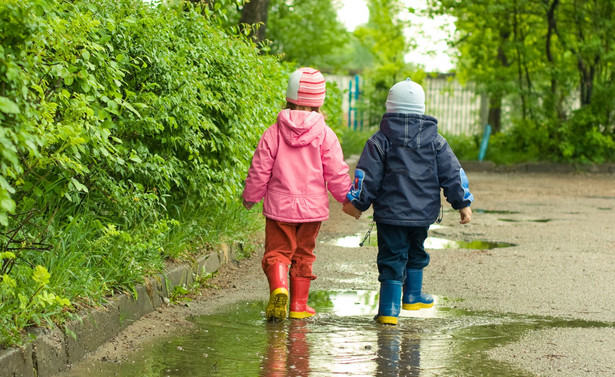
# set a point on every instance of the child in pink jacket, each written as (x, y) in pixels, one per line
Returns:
(296, 161)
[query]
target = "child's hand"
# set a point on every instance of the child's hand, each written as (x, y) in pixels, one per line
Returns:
(248, 205)
(465, 214)
(352, 210)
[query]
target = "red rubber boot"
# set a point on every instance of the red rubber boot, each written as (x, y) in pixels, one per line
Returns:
(277, 275)
(299, 290)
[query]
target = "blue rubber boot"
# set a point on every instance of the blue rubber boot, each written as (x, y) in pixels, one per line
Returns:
(413, 298)
(388, 306)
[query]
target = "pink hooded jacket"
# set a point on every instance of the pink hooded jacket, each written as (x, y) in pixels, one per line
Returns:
(297, 159)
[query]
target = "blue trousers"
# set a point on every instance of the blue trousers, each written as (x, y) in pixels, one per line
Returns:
(400, 248)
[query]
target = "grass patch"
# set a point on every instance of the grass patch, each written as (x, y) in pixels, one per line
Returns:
(91, 261)
(353, 141)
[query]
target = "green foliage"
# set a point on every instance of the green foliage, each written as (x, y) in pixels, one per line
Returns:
(27, 302)
(356, 54)
(126, 130)
(300, 35)
(332, 108)
(383, 34)
(383, 37)
(223, 13)
(466, 147)
(321, 299)
(504, 149)
(353, 141)
(568, 142)
(185, 293)
(584, 139)
(551, 64)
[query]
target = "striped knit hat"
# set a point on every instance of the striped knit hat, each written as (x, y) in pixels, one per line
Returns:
(306, 87)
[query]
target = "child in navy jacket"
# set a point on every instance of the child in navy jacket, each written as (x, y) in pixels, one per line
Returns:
(400, 172)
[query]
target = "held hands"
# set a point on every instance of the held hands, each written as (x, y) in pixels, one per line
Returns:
(465, 214)
(352, 210)
(248, 205)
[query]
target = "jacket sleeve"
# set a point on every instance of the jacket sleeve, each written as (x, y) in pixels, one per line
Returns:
(452, 177)
(368, 175)
(335, 169)
(259, 173)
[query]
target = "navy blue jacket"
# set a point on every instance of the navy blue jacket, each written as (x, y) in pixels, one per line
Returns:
(402, 169)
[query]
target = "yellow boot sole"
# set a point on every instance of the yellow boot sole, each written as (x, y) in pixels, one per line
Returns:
(300, 315)
(416, 306)
(276, 307)
(386, 320)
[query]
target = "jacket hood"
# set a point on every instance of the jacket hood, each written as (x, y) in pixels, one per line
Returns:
(299, 128)
(409, 130)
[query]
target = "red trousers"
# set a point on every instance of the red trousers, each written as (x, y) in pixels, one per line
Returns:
(291, 244)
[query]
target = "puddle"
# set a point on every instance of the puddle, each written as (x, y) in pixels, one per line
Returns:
(342, 339)
(523, 221)
(440, 243)
(495, 212)
(431, 243)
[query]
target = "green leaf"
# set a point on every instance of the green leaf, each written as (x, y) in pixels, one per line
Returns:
(78, 185)
(134, 157)
(7, 255)
(7, 106)
(7, 204)
(41, 275)
(132, 109)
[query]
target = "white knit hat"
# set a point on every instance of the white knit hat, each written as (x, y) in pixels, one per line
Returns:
(306, 87)
(406, 97)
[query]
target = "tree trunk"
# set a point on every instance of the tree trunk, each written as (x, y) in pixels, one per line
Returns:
(495, 99)
(554, 103)
(587, 81)
(495, 113)
(255, 13)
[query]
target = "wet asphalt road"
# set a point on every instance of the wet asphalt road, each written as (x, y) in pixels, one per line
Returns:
(560, 272)
(563, 265)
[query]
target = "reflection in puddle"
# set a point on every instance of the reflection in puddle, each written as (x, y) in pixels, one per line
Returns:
(352, 241)
(440, 243)
(430, 243)
(353, 303)
(342, 339)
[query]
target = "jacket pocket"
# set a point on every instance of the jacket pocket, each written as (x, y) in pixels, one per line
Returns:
(285, 206)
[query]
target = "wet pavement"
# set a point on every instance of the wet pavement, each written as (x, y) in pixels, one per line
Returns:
(342, 339)
(431, 243)
(525, 289)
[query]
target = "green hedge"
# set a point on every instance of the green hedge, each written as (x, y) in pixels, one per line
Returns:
(126, 131)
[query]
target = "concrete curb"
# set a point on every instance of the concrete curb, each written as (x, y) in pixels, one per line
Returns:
(538, 167)
(54, 350)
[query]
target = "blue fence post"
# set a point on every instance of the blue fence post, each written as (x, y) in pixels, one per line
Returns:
(349, 103)
(353, 95)
(356, 98)
(484, 143)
